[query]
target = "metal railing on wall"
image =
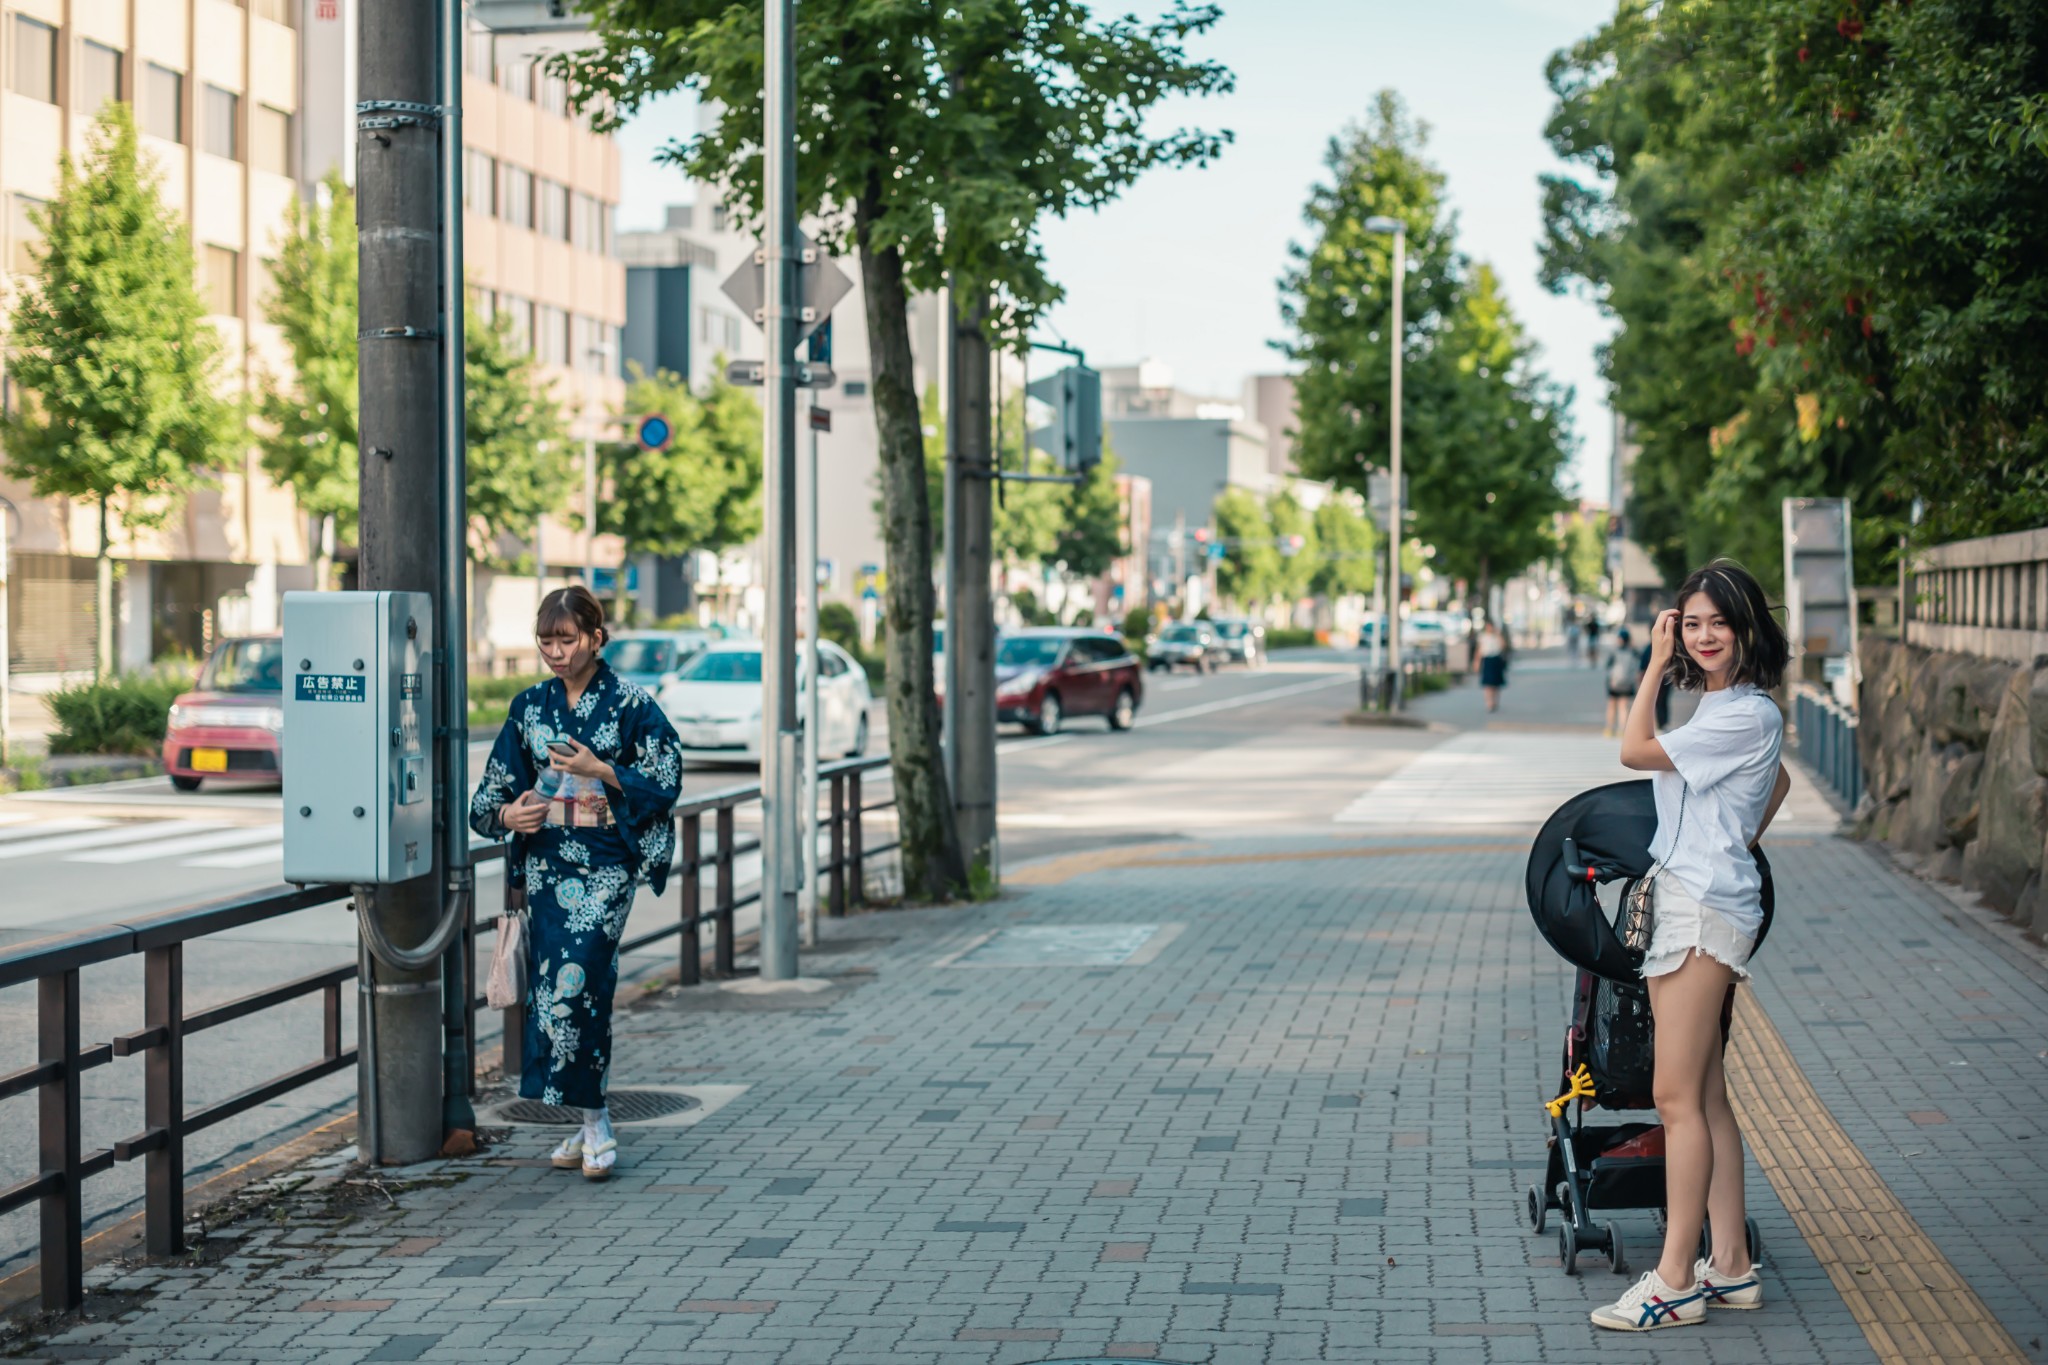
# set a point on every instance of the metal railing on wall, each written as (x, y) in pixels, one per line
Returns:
(1824, 737)
(1987, 597)
(54, 966)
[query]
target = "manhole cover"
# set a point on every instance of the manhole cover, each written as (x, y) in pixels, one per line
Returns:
(627, 1106)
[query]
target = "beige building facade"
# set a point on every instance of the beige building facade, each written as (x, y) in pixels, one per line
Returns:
(243, 105)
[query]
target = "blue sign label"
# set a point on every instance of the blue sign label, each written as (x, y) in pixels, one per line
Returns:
(330, 687)
(654, 432)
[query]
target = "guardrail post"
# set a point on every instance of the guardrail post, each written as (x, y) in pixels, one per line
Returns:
(690, 968)
(63, 1257)
(163, 1094)
(838, 902)
(853, 813)
(721, 928)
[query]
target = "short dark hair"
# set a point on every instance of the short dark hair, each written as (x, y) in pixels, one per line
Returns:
(573, 606)
(1761, 650)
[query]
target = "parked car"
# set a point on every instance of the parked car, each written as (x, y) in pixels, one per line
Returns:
(1186, 644)
(714, 701)
(1243, 640)
(231, 724)
(1045, 675)
(652, 658)
(1424, 641)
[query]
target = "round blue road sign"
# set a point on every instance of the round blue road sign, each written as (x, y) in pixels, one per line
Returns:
(654, 432)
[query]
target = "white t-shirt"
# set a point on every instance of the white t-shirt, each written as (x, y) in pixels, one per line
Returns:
(1727, 761)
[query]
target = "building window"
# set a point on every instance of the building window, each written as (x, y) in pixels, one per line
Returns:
(551, 335)
(479, 180)
(590, 222)
(278, 12)
(554, 209)
(516, 79)
(220, 281)
(23, 231)
(35, 60)
(520, 313)
(485, 302)
(221, 124)
(476, 55)
(515, 195)
(552, 93)
(99, 76)
(276, 150)
(262, 284)
(163, 102)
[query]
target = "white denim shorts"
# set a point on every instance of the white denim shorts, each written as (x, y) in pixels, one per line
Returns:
(1683, 927)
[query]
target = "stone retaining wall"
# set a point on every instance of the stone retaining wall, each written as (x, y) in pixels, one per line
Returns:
(1955, 764)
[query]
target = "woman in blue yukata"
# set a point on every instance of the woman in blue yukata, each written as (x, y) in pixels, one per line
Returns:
(583, 778)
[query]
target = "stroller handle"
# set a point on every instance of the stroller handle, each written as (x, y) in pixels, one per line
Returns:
(1578, 871)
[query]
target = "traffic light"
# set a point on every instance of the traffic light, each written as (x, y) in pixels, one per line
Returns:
(1074, 435)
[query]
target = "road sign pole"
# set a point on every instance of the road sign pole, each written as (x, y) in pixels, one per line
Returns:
(779, 781)
(814, 735)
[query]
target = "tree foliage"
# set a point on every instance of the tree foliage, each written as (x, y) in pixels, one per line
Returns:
(700, 492)
(935, 140)
(520, 467)
(308, 414)
(1484, 434)
(1822, 229)
(1347, 548)
(1582, 552)
(1249, 570)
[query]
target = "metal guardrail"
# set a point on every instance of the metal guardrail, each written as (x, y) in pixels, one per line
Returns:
(54, 964)
(1824, 736)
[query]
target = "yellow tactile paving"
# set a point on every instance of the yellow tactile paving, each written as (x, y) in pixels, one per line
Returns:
(1053, 871)
(1908, 1299)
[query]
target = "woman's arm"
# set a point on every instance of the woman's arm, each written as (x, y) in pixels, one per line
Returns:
(1640, 749)
(1778, 791)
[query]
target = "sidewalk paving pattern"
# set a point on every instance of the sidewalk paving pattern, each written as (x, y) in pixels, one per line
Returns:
(1279, 1101)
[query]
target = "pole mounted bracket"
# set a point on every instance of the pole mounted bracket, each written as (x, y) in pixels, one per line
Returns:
(398, 334)
(376, 114)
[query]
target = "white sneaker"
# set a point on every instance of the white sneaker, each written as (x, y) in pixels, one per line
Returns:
(1651, 1304)
(1728, 1291)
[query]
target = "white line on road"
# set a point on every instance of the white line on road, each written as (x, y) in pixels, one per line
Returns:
(128, 834)
(1145, 722)
(244, 857)
(46, 828)
(180, 845)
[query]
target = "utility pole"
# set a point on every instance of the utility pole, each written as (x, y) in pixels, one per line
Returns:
(814, 734)
(780, 783)
(970, 630)
(402, 322)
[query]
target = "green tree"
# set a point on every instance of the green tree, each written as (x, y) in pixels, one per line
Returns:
(936, 139)
(700, 492)
(1092, 532)
(520, 467)
(1484, 434)
(1249, 571)
(1350, 553)
(307, 431)
(110, 346)
(1298, 563)
(1582, 551)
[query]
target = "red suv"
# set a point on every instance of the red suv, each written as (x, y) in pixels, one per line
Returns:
(1043, 676)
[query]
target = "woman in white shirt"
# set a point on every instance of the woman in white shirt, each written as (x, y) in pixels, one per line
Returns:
(1718, 782)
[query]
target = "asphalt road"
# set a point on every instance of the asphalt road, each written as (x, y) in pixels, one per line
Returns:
(1244, 750)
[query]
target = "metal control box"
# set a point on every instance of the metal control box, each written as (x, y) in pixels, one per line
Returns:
(358, 737)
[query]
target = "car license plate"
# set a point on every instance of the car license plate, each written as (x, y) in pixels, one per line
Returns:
(703, 737)
(210, 760)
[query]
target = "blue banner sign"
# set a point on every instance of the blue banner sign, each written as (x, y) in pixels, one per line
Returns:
(330, 687)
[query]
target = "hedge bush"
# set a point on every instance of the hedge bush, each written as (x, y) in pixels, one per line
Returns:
(490, 699)
(127, 714)
(1288, 638)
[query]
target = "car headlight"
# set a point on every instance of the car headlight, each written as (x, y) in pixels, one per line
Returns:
(229, 717)
(1023, 682)
(181, 716)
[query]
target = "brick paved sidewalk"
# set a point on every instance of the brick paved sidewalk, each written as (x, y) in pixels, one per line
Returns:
(1295, 1124)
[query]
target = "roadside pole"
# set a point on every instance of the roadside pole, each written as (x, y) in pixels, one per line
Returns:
(6, 641)
(813, 735)
(780, 865)
(1392, 623)
(949, 702)
(970, 630)
(401, 323)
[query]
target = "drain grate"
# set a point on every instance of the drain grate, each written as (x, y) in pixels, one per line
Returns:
(627, 1106)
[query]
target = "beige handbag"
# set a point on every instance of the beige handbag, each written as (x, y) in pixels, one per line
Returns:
(506, 985)
(1637, 922)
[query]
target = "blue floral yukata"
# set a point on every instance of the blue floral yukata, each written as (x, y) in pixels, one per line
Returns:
(581, 869)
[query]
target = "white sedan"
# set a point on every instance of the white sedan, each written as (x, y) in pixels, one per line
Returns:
(715, 702)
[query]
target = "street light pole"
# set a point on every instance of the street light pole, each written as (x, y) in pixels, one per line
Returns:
(1390, 625)
(780, 785)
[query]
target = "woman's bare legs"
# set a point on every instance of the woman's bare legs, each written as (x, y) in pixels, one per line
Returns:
(1493, 698)
(1724, 1196)
(1687, 1007)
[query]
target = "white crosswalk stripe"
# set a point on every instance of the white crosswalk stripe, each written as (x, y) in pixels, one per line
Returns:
(175, 845)
(26, 835)
(43, 829)
(104, 838)
(272, 852)
(1488, 778)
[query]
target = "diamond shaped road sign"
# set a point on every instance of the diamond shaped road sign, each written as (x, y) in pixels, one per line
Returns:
(820, 285)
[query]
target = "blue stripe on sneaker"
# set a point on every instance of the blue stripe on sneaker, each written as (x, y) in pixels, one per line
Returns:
(1656, 1310)
(1722, 1291)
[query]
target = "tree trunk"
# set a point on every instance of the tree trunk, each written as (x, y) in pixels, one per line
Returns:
(932, 865)
(103, 655)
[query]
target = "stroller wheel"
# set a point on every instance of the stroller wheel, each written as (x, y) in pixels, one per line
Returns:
(1536, 1210)
(1617, 1259)
(1568, 1247)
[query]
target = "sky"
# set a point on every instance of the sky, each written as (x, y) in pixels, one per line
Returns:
(1185, 267)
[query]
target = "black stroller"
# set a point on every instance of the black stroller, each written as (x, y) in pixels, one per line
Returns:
(1601, 836)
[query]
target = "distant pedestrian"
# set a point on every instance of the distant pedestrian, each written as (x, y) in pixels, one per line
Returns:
(582, 780)
(1719, 779)
(1592, 640)
(1572, 633)
(1624, 672)
(1493, 663)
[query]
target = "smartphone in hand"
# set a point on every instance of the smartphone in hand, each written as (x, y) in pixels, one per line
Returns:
(560, 749)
